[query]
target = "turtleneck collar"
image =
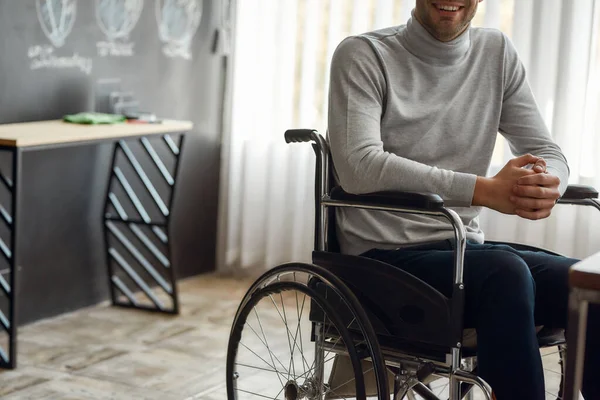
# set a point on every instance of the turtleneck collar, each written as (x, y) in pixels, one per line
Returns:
(419, 42)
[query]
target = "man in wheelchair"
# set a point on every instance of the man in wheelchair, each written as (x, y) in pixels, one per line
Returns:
(417, 108)
(401, 275)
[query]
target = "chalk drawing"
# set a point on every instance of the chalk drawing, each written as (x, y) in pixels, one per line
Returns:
(56, 18)
(178, 21)
(116, 19)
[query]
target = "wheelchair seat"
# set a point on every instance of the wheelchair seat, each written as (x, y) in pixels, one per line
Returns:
(407, 314)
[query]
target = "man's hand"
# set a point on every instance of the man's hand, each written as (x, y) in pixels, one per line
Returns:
(534, 196)
(496, 192)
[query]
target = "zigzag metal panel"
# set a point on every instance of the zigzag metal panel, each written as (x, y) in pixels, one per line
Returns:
(9, 191)
(136, 223)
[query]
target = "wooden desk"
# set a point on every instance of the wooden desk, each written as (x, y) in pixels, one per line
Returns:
(47, 133)
(584, 281)
(136, 268)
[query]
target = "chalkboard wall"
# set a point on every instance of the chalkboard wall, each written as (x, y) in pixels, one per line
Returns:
(52, 55)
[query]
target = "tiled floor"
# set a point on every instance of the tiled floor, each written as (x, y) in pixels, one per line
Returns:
(105, 352)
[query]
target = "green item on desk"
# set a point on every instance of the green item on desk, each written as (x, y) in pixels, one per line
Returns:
(93, 118)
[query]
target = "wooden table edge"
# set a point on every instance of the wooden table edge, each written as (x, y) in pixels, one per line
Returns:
(586, 273)
(169, 126)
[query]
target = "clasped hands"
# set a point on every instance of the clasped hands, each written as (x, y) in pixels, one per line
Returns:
(528, 193)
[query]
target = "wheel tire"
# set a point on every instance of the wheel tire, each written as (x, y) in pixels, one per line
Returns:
(300, 278)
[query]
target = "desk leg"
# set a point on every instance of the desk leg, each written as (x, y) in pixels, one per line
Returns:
(8, 317)
(138, 247)
(576, 334)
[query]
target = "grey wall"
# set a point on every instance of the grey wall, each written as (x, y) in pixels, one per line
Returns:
(63, 265)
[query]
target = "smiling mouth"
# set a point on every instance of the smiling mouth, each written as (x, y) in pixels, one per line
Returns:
(447, 8)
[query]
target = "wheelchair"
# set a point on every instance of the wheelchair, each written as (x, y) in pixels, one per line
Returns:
(350, 327)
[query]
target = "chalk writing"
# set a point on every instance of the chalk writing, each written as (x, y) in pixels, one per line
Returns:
(115, 49)
(44, 57)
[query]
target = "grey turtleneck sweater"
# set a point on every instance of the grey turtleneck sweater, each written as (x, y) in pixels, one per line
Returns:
(410, 113)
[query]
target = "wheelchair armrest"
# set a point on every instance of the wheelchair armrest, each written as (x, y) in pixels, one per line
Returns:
(580, 192)
(410, 200)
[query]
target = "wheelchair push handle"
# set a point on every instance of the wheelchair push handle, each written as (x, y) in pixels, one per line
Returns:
(300, 135)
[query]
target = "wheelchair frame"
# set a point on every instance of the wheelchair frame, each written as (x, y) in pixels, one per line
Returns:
(576, 195)
(410, 369)
(322, 185)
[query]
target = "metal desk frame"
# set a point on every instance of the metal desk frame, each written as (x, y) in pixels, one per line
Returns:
(112, 226)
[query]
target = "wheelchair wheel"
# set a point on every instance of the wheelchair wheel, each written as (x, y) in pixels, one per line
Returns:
(289, 332)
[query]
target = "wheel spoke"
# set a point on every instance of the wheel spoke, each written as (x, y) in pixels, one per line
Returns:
(348, 381)
(265, 342)
(298, 330)
(259, 368)
(287, 334)
(554, 372)
(312, 377)
(292, 347)
(337, 394)
(262, 359)
(324, 336)
(277, 396)
(260, 395)
(550, 354)
(443, 389)
(338, 339)
(313, 368)
(554, 395)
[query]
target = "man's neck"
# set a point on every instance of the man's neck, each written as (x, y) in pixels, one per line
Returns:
(433, 33)
(419, 41)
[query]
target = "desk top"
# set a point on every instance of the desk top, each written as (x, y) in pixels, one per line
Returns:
(53, 132)
(586, 274)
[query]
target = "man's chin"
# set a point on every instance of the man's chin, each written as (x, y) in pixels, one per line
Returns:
(446, 33)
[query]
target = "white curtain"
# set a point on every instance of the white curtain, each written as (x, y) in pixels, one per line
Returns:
(279, 81)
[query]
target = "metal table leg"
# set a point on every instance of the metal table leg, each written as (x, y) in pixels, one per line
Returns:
(140, 274)
(579, 300)
(8, 214)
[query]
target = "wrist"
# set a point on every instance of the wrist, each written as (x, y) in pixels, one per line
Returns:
(481, 192)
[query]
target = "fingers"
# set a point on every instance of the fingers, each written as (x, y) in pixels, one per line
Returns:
(546, 180)
(533, 215)
(536, 192)
(540, 166)
(524, 160)
(529, 204)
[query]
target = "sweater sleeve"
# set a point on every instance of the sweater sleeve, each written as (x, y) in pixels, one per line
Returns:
(521, 122)
(357, 100)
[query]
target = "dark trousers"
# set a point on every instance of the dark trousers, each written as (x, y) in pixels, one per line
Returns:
(508, 293)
